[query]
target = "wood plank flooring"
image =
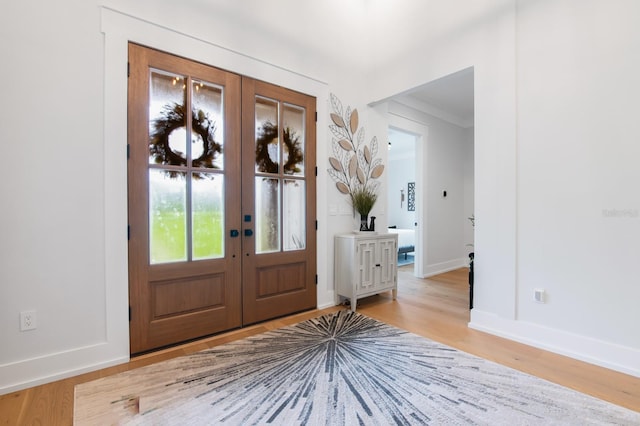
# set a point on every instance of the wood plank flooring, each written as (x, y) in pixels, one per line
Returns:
(436, 308)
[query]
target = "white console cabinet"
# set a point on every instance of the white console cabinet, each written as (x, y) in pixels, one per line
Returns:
(365, 264)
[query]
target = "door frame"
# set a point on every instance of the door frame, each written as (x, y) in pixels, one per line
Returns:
(119, 29)
(181, 299)
(421, 133)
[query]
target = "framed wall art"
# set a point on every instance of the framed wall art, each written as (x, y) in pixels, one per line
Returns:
(411, 196)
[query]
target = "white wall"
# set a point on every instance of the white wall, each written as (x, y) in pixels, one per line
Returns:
(556, 171)
(52, 186)
(578, 156)
(445, 173)
(468, 185)
(556, 154)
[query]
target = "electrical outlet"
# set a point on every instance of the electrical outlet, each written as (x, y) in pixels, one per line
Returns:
(28, 320)
(539, 295)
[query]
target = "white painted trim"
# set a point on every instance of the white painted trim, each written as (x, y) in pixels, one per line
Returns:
(442, 267)
(593, 351)
(328, 305)
(433, 111)
(421, 132)
(121, 28)
(47, 368)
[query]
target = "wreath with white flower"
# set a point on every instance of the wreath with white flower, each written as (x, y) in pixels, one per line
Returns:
(172, 118)
(267, 135)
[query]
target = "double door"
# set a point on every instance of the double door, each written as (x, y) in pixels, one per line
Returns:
(221, 180)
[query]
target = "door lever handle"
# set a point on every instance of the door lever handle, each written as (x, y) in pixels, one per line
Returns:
(248, 232)
(234, 233)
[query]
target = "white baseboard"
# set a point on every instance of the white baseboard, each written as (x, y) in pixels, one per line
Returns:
(327, 305)
(605, 354)
(326, 300)
(442, 267)
(48, 368)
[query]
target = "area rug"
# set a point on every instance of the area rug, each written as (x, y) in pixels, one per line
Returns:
(338, 369)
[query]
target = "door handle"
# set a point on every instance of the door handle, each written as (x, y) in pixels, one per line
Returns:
(234, 233)
(248, 232)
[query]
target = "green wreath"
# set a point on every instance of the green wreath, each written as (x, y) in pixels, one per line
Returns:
(171, 118)
(268, 134)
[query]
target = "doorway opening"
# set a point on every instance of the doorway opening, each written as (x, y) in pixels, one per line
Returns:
(440, 115)
(401, 200)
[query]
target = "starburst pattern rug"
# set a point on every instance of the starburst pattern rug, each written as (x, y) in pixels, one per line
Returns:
(338, 369)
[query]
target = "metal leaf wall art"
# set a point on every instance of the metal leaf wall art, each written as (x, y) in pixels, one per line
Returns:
(354, 167)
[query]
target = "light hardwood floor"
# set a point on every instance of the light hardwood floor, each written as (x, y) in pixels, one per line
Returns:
(436, 308)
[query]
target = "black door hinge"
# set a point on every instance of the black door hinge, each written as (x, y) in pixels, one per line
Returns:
(129, 313)
(128, 232)
(128, 151)
(128, 69)
(316, 171)
(316, 279)
(316, 225)
(316, 116)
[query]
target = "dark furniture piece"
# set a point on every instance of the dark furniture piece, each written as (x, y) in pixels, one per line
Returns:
(471, 280)
(405, 250)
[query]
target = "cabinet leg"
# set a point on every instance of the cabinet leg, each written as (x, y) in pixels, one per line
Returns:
(353, 304)
(394, 293)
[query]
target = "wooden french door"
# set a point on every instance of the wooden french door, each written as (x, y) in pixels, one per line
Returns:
(203, 237)
(278, 201)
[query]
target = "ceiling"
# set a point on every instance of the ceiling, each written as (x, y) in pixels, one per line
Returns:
(449, 98)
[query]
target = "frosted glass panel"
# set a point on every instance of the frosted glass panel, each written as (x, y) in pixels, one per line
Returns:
(167, 134)
(293, 215)
(293, 143)
(267, 155)
(207, 200)
(267, 215)
(207, 125)
(167, 217)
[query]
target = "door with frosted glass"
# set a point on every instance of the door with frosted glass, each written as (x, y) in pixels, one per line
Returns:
(278, 201)
(184, 207)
